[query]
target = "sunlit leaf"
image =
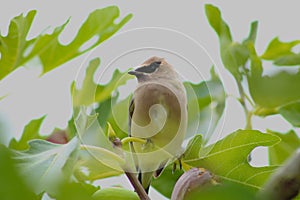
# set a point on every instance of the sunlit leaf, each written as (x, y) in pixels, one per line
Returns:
(45, 164)
(31, 131)
(276, 49)
(289, 143)
(16, 51)
(228, 158)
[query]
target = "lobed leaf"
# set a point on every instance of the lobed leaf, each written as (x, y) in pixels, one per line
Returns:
(90, 92)
(16, 50)
(30, 132)
(228, 158)
(280, 152)
(206, 103)
(277, 49)
(291, 113)
(45, 165)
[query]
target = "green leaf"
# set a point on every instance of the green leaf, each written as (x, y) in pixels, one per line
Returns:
(31, 131)
(76, 191)
(45, 164)
(276, 90)
(166, 181)
(12, 186)
(252, 33)
(16, 51)
(193, 148)
(115, 193)
(289, 143)
(14, 44)
(90, 92)
(233, 54)
(206, 103)
(291, 113)
(288, 60)
(276, 49)
(104, 109)
(90, 168)
(228, 158)
(225, 191)
(119, 117)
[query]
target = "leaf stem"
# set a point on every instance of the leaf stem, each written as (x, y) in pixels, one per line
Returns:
(242, 101)
(133, 139)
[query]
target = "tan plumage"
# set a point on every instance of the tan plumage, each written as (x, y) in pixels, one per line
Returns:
(158, 113)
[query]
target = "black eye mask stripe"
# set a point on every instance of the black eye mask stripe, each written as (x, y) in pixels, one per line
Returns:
(149, 68)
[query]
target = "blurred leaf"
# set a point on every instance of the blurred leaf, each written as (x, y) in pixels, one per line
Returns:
(276, 49)
(89, 168)
(233, 54)
(206, 103)
(31, 131)
(289, 143)
(252, 33)
(76, 191)
(115, 193)
(224, 191)
(119, 117)
(166, 181)
(231, 154)
(104, 110)
(193, 148)
(288, 60)
(90, 92)
(12, 186)
(17, 51)
(276, 90)
(291, 113)
(46, 164)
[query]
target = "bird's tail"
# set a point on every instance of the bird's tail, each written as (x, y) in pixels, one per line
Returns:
(145, 180)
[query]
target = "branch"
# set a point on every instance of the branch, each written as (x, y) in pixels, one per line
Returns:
(285, 183)
(137, 186)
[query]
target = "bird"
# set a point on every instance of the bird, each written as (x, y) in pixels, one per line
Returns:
(157, 114)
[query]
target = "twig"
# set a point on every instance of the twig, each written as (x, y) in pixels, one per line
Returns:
(242, 99)
(285, 183)
(137, 186)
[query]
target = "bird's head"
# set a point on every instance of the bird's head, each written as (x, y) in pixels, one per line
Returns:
(154, 68)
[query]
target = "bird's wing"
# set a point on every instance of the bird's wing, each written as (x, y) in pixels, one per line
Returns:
(130, 113)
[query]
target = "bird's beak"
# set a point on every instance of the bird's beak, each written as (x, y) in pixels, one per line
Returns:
(132, 72)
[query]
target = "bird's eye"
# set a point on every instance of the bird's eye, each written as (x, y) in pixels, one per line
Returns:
(149, 68)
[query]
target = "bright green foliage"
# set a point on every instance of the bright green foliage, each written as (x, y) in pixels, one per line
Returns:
(203, 118)
(278, 49)
(16, 51)
(76, 191)
(45, 164)
(289, 143)
(291, 113)
(166, 181)
(12, 186)
(31, 131)
(234, 55)
(90, 92)
(193, 148)
(226, 191)
(115, 193)
(228, 158)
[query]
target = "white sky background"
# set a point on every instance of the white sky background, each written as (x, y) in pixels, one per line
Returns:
(31, 96)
